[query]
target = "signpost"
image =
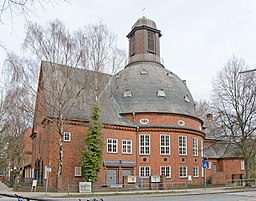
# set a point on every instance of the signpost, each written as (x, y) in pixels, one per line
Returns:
(48, 169)
(205, 165)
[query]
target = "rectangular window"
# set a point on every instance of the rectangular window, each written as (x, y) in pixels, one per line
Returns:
(165, 144)
(183, 171)
(67, 137)
(166, 171)
(78, 171)
(183, 145)
(242, 165)
(195, 146)
(202, 148)
(195, 171)
(126, 146)
(112, 145)
(151, 42)
(145, 144)
(132, 45)
(145, 171)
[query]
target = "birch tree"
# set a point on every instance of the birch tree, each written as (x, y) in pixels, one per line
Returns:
(89, 50)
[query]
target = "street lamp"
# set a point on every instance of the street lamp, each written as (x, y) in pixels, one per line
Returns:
(247, 71)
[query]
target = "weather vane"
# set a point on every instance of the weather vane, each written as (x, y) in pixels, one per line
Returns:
(143, 12)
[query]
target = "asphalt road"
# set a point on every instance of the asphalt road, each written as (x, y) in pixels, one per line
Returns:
(238, 196)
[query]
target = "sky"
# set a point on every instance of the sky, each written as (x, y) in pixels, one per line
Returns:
(198, 36)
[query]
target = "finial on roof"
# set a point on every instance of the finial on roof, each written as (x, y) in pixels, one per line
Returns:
(143, 12)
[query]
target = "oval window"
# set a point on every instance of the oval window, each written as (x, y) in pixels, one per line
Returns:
(181, 122)
(144, 121)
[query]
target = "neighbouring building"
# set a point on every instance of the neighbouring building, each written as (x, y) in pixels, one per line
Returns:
(148, 116)
(26, 164)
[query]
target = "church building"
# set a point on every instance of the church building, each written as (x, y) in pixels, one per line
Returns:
(150, 128)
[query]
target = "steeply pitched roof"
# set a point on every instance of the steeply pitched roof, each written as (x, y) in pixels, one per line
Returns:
(70, 91)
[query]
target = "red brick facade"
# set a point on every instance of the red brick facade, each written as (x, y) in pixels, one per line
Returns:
(167, 141)
(45, 147)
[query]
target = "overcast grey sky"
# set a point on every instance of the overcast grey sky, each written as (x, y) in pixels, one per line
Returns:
(199, 36)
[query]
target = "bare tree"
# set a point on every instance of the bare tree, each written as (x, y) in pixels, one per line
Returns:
(99, 52)
(15, 122)
(75, 62)
(203, 108)
(11, 8)
(234, 101)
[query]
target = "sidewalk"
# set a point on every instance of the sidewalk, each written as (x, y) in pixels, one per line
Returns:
(5, 190)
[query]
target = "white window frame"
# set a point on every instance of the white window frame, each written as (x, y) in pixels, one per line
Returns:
(67, 136)
(165, 146)
(78, 171)
(195, 171)
(126, 147)
(210, 165)
(195, 146)
(242, 165)
(183, 146)
(143, 144)
(166, 171)
(145, 171)
(111, 145)
(182, 170)
(202, 148)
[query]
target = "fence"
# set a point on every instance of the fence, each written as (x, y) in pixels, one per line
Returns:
(240, 183)
(118, 188)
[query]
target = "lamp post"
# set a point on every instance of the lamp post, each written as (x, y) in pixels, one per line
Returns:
(247, 71)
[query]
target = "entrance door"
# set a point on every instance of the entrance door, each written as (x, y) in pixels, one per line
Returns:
(126, 173)
(111, 177)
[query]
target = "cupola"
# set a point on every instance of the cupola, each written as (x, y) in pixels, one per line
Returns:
(144, 43)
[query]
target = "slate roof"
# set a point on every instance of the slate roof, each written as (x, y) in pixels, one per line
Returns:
(70, 87)
(77, 97)
(152, 88)
(222, 149)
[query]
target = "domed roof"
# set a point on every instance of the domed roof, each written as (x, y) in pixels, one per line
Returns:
(144, 22)
(148, 87)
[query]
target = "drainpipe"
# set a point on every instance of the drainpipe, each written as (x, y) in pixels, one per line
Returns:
(134, 115)
(137, 143)
(137, 150)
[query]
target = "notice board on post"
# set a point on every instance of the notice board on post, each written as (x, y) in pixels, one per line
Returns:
(33, 187)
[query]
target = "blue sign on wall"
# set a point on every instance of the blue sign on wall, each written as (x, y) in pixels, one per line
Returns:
(205, 164)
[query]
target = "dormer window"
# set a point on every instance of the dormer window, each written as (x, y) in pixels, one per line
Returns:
(151, 42)
(169, 74)
(186, 98)
(127, 94)
(143, 72)
(161, 93)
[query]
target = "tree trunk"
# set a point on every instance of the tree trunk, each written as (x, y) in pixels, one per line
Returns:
(60, 146)
(247, 170)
